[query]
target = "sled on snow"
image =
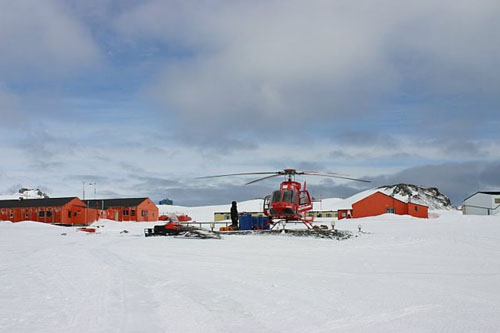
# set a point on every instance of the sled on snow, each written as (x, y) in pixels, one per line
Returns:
(176, 229)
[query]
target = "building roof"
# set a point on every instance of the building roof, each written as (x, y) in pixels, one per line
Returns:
(483, 192)
(343, 204)
(346, 203)
(107, 203)
(45, 202)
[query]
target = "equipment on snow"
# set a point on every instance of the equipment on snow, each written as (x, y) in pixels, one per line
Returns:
(179, 230)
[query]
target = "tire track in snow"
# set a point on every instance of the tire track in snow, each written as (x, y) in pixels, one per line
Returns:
(126, 291)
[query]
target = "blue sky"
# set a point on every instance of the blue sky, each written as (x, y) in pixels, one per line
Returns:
(141, 97)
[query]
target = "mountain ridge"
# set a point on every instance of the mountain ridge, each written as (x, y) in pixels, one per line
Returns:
(428, 196)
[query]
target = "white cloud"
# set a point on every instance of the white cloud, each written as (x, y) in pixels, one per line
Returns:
(11, 113)
(42, 39)
(271, 64)
(258, 62)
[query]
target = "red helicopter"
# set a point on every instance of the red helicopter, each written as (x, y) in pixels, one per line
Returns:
(292, 200)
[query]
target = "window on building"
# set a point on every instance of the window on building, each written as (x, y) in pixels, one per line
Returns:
(41, 213)
(132, 212)
(49, 213)
(416, 208)
(125, 212)
(26, 215)
(69, 214)
(328, 215)
(389, 210)
(343, 214)
(497, 200)
(11, 214)
(74, 214)
(144, 213)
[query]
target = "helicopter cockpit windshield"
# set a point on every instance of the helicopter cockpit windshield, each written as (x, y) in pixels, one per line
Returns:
(289, 196)
(276, 196)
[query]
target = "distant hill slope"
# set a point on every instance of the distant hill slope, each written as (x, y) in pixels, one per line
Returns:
(25, 193)
(428, 196)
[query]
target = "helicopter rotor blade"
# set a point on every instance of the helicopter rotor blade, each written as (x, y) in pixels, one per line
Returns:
(263, 178)
(241, 174)
(289, 172)
(323, 173)
(335, 176)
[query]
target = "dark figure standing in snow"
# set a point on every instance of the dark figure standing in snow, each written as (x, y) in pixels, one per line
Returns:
(234, 215)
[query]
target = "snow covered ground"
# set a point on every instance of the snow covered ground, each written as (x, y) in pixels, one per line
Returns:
(402, 275)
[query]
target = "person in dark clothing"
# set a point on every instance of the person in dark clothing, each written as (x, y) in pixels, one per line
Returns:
(234, 215)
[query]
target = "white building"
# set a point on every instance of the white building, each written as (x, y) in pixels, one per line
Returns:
(482, 203)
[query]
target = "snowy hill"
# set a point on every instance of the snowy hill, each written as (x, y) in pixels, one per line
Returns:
(428, 196)
(25, 193)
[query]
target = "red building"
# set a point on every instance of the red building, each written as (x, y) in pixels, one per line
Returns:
(73, 211)
(379, 203)
(65, 211)
(126, 209)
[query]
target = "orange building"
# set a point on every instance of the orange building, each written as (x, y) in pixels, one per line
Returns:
(65, 211)
(379, 203)
(126, 209)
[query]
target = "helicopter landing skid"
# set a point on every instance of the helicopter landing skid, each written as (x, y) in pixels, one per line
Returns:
(307, 223)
